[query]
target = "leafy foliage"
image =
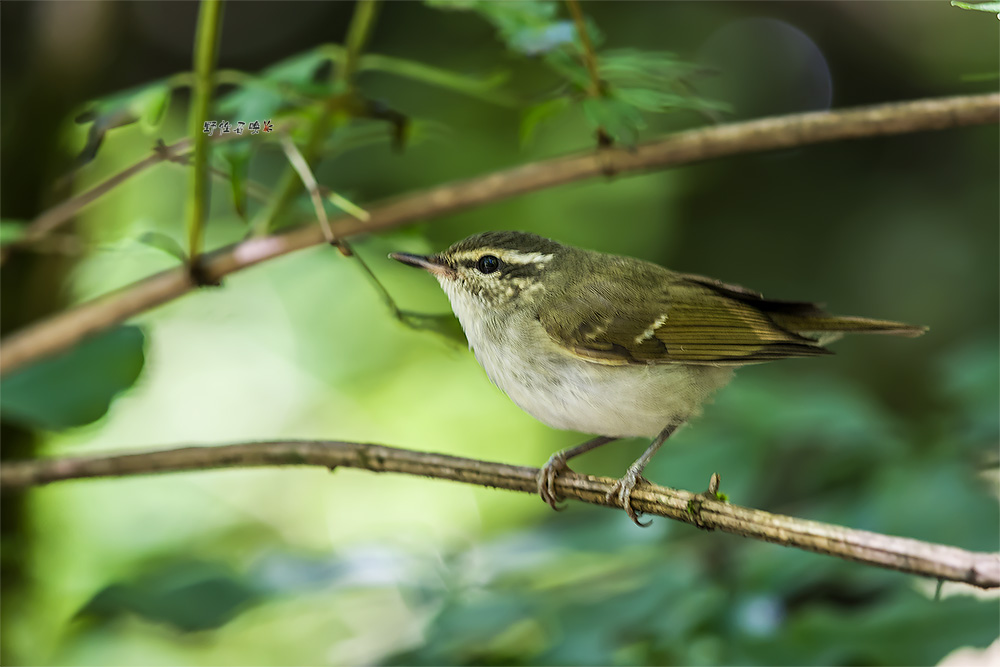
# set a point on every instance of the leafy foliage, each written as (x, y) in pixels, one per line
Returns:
(993, 7)
(41, 395)
(146, 104)
(631, 81)
(187, 595)
(11, 231)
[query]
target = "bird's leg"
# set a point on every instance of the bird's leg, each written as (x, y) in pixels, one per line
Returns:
(557, 463)
(623, 487)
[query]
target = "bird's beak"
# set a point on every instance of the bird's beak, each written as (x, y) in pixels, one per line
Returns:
(431, 263)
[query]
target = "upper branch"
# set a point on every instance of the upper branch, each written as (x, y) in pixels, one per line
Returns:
(63, 330)
(896, 553)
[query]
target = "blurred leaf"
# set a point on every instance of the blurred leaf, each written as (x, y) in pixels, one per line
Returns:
(11, 231)
(569, 598)
(539, 113)
(906, 629)
(652, 80)
(164, 243)
(238, 158)
(630, 66)
(147, 103)
(464, 632)
(993, 7)
(187, 595)
(569, 67)
(251, 102)
(299, 69)
(618, 119)
(153, 108)
(76, 387)
(480, 88)
(969, 380)
(289, 82)
(535, 40)
(526, 27)
(633, 80)
(363, 133)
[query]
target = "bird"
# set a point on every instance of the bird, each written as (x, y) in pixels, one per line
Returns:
(615, 346)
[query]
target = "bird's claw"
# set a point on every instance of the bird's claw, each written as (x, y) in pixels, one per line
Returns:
(547, 481)
(622, 489)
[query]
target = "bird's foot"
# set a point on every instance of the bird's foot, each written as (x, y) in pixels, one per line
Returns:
(622, 489)
(547, 480)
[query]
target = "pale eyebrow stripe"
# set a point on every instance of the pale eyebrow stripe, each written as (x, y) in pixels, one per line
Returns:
(507, 255)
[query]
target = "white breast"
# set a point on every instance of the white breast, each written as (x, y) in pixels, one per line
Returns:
(570, 393)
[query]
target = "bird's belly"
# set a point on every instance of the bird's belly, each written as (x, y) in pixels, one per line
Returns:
(569, 393)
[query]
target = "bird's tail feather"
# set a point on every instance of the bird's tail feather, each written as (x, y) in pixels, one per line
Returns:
(819, 324)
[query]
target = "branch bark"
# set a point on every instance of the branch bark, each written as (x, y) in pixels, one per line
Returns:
(895, 553)
(61, 331)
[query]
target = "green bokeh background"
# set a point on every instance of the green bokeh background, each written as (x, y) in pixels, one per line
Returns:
(307, 567)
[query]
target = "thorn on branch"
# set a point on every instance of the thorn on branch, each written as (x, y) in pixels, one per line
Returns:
(694, 506)
(713, 484)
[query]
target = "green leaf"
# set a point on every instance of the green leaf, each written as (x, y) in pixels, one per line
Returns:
(535, 40)
(660, 102)
(290, 81)
(539, 113)
(164, 243)
(298, 69)
(643, 67)
(569, 68)
(76, 387)
(186, 595)
(526, 27)
(152, 107)
(238, 158)
(993, 7)
(11, 231)
(619, 120)
(147, 103)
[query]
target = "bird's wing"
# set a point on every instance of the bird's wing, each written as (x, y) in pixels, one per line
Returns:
(667, 317)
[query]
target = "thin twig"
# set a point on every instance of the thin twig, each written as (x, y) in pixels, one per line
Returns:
(305, 173)
(57, 215)
(589, 55)
(895, 553)
(61, 213)
(342, 89)
(61, 331)
(206, 51)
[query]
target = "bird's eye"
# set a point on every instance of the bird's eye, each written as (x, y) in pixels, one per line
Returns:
(488, 264)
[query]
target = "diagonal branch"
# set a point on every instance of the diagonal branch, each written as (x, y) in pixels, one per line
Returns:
(61, 331)
(895, 553)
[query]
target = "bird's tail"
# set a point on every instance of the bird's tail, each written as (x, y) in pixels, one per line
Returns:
(809, 319)
(825, 329)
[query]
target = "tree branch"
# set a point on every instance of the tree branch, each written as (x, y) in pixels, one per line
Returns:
(61, 331)
(895, 553)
